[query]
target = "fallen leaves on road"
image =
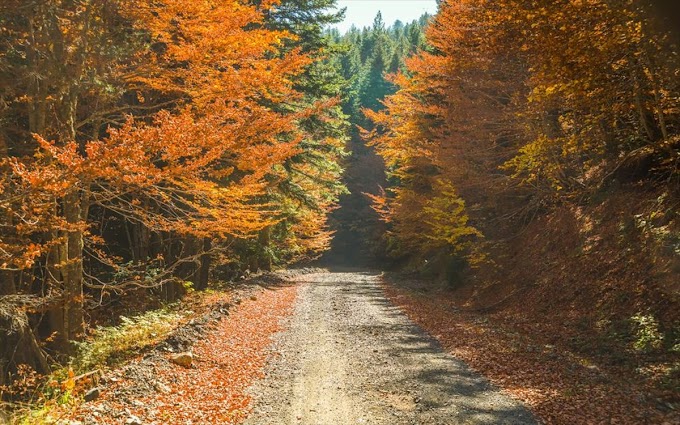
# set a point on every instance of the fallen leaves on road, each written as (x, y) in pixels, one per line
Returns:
(559, 387)
(213, 390)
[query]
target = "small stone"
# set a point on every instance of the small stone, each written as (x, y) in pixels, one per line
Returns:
(133, 420)
(92, 395)
(162, 388)
(183, 359)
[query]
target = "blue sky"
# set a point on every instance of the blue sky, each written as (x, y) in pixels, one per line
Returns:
(362, 12)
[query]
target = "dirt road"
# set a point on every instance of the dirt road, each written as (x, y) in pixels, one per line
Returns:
(350, 357)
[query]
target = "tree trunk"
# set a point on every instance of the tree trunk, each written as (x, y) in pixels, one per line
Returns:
(7, 277)
(7, 282)
(67, 320)
(203, 274)
(264, 238)
(173, 250)
(140, 242)
(73, 279)
(18, 344)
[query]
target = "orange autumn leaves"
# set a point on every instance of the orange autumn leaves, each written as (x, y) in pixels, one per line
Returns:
(224, 50)
(518, 104)
(226, 363)
(203, 160)
(560, 386)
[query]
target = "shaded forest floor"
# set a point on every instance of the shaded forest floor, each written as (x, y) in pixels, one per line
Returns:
(532, 362)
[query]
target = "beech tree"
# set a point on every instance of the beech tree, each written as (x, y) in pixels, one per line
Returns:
(602, 92)
(57, 55)
(523, 104)
(172, 118)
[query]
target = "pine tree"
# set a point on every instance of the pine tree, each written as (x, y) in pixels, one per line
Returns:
(371, 53)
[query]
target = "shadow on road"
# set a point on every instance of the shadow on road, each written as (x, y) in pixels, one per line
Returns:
(427, 375)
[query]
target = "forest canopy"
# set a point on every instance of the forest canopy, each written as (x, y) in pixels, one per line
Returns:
(145, 143)
(518, 106)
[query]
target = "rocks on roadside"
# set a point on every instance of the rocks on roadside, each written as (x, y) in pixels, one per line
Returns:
(133, 420)
(92, 394)
(162, 388)
(89, 380)
(185, 360)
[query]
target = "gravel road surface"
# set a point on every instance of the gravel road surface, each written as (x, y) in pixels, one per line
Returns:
(351, 357)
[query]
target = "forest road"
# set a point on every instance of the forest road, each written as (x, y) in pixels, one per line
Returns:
(349, 356)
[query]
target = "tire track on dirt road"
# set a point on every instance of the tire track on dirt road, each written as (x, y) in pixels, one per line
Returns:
(349, 356)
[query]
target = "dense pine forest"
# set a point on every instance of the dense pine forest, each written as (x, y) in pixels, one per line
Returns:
(519, 157)
(370, 55)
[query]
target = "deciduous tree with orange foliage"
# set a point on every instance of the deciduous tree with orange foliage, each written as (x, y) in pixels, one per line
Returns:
(167, 120)
(557, 123)
(522, 104)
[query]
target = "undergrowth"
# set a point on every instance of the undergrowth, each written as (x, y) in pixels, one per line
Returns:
(42, 398)
(112, 344)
